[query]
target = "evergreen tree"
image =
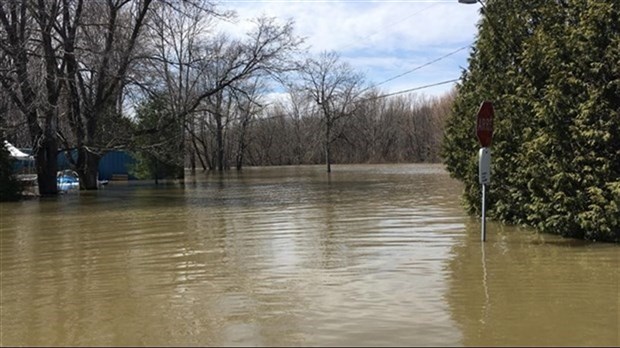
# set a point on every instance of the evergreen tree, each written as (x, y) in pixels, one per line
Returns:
(158, 146)
(552, 70)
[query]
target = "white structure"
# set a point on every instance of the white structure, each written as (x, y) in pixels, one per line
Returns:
(15, 152)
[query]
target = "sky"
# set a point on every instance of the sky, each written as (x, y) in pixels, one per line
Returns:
(397, 45)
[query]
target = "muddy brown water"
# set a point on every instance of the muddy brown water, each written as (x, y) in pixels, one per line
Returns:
(371, 255)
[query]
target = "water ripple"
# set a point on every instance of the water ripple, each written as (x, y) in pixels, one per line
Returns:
(369, 255)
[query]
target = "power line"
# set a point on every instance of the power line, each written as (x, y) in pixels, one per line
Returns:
(419, 67)
(410, 90)
(420, 87)
(434, 3)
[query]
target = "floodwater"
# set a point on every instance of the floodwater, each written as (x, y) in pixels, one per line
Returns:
(371, 255)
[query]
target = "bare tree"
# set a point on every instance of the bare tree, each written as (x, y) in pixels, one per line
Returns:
(227, 63)
(108, 36)
(29, 74)
(69, 58)
(201, 72)
(334, 87)
(366, 129)
(248, 105)
(299, 110)
(174, 67)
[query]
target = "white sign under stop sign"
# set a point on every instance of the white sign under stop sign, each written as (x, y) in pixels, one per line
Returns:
(484, 165)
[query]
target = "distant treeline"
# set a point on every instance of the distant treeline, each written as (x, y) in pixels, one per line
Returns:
(406, 128)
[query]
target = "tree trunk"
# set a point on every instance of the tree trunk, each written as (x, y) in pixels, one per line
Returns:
(242, 146)
(88, 169)
(47, 166)
(239, 156)
(192, 160)
(181, 150)
(220, 143)
(327, 148)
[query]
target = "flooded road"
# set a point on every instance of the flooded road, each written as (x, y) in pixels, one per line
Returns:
(371, 255)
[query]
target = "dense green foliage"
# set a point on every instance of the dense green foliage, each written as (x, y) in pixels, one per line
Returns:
(158, 144)
(552, 69)
(10, 188)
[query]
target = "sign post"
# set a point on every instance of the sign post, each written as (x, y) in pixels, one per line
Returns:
(484, 132)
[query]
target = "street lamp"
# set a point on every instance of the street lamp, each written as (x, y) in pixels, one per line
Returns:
(472, 2)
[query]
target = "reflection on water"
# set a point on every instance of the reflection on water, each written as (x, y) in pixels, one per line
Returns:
(526, 289)
(369, 255)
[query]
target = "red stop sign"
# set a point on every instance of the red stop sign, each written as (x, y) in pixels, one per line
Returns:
(484, 124)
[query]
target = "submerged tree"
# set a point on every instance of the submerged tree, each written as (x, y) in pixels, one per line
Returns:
(108, 36)
(29, 74)
(69, 58)
(203, 83)
(335, 87)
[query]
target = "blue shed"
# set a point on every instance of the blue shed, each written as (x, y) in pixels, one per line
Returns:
(113, 163)
(116, 163)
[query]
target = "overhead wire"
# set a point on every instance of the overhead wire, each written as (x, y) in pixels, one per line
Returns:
(418, 67)
(408, 90)
(434, 3)
(420, 87)
(431, 62)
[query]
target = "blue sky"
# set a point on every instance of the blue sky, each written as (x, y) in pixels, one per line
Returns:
(382, 39)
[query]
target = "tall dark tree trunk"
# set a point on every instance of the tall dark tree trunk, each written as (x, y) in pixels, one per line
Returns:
(181, 149)
(192, 155)
(46, 150)
(192, 161)
(242, 142)
(240, 152)
(327, 148)
(197, 153)
(88, 169)
(88, 161)
(219, 135)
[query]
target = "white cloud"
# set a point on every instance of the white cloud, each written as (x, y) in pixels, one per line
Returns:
(275, 98)
(381, 39)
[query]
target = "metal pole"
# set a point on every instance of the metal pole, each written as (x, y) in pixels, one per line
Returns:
(484, 212)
